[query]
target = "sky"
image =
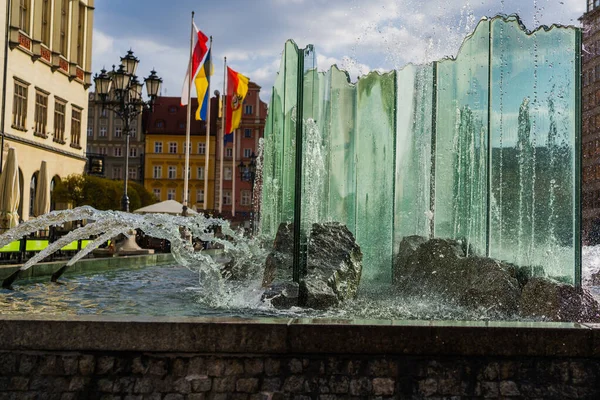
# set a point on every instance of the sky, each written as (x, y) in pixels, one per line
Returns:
(357, 35)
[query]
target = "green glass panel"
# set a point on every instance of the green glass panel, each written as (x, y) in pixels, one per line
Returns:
(290, 102)
(461, 142)
(533, 125)
(12, 247)
(375, 173)
(341, 108)
(413, 152)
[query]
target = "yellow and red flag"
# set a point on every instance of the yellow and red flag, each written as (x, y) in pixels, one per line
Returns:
(237, 88)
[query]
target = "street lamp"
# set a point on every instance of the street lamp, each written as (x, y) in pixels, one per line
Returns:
(248, 174)
(127, 100)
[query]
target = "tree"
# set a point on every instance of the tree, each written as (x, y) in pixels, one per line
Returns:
(100, 193)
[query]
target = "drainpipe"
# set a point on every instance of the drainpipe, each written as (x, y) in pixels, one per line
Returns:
(3, 111)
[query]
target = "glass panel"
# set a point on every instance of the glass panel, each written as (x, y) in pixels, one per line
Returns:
(375, 173)
(341, 107)
(461, 142)
(533, 127)
(413, 152)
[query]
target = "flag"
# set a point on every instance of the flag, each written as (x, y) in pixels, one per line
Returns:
(201, 82)
(228, 138)
(237, 87)
(199, 51)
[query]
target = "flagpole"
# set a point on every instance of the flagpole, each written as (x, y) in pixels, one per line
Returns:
(189, 120)
(223, 121)
(208, 119)
(233, 176)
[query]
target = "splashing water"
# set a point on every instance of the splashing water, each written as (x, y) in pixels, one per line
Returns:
(245, 253)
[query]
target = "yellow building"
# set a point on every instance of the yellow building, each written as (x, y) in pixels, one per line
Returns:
(164, 156)
(46, 94)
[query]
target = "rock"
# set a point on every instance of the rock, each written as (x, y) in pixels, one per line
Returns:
(554, 301)
(334, 257)
(279, 263)
(282, 295)
(408, 246)
(439, 267)
(316, 293)
(333, 266)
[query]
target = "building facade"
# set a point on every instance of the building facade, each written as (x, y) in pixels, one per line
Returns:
(106, 147)
(247, 136)
(164, 164)
(590, 130)
(46, 93)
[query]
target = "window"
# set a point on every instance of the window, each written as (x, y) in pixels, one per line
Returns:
(46, 22)
(229, 152)
(200, 196)
(80, 33)
(201, 148)
(90, 129)
(247, 133)
(247, 153)
(227, 173)
(200, 173)
(189, 173)
(133, 173)
(118, 152)
(246, 198)
(41, 113)
(104, 113)
(118, 131)
(226, 198)
(159, 124)
(172, 109)
(117, 173)
(103, 131)
(158, 147)
(102, 150)
(20, 106)
(76, 127)
(171, 194)
(59, 121)
(187, 146)
(172, 172)
(132, 132)
(24, 15)
(133, 152)
(156, 193)
(64, 27)
(182, 125)
(248, 110)
(157, 172)
(173, 147)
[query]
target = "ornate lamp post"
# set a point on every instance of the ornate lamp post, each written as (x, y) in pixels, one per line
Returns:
(126, 101)
(248, 174)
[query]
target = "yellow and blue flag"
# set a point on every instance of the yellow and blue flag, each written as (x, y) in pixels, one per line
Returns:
(202, 82)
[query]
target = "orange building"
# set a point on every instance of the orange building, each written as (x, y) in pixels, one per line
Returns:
(164, 156)
(247, 136)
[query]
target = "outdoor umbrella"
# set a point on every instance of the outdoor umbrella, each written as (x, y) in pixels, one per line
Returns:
(10, 192)
(164, 207)
(41, 205)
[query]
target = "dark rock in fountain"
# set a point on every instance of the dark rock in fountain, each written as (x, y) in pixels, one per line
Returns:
(282, 295)
(554, 301)
(333, 268)
(279, 263)
(440, 266)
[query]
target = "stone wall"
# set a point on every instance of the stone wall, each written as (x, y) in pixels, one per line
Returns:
(75, 375)
(186, 359)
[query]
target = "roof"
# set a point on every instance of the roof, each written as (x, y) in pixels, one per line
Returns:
(168, 116)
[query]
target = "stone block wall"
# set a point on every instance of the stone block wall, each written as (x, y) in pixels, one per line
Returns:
(136, 358)
(75, 375)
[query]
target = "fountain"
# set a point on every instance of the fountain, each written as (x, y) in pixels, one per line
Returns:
(464, 161)
(482, 148)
